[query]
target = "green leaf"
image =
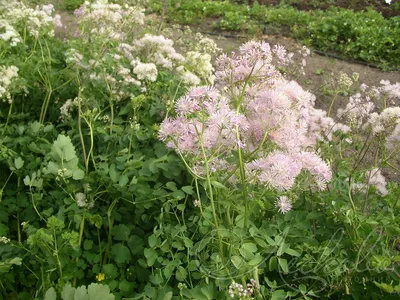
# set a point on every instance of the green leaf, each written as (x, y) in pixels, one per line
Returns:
(120, 253)
(218, 185)
(278, 295)
(237, 261)
(98, 291)
(123, 180)
(178, 195)
(302, 288)
(292, 252)
(188, 189)
(171, 186)
(68, 292)
(78, 174)
(113, 173)
(273, 263)
(121, 232)
(64, 148)
(88, 244)
(151, 256)
(153, 241)
(385, 287)
(125, 286)
(283, 264)
(247, 250)
(35, 127)
(168, 296)
(110, 271)
(50, 294)
(256, 260)
(81, 293)
(181, 273)
(18, 162)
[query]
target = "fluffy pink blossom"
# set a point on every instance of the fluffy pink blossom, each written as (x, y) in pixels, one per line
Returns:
(284, 204)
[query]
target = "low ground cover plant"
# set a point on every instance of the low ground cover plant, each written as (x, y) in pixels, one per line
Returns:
(364, 35)
(134, 170)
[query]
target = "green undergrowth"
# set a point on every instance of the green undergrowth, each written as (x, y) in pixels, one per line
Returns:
(365, 35)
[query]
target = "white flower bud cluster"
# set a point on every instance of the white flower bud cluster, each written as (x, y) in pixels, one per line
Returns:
(7, 76)
(36, 21)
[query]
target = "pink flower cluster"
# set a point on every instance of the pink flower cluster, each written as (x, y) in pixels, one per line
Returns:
(255, 109)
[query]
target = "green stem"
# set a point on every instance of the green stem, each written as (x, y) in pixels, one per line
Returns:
(110, 227)
(81, 228)
(331, 105)
(242, 178)
(56, 254)
(211, 196)
(9, 115)
(80, 130)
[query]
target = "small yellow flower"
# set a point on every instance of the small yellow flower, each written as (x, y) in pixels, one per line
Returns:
(100, 277)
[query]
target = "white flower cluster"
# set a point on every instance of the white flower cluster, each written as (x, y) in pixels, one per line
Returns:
(109, 20)
(374, 178)
(391, 90)
(66, 109)
(81, 201)
(7, 76)
(145, 71)
(201, 64)
(9, 34)
(158, 50)
(386, 121)
(37, 20)
(356, 110)
(4, 240)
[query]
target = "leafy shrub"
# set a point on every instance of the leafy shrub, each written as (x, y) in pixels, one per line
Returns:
(275, 202)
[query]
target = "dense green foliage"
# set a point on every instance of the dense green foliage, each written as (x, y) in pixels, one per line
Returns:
(363, 36)
(94, 206)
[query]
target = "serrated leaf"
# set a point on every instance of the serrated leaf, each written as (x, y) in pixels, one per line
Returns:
(110, 271)
(81, 293)
(50, 294)
(18, 162)
(237, 261)
(256, 260)
(123, 180)
(64, 144)
(181, 274)
(68, 292)
(171, 186)
(151, 256)
(188, 189)
(35, 127)
(278, 295)
(178, 195)
(78, 174)
(153, 241)
(98, 291)
(88, 244)
(120, 253)
(125, 286)
(121, 232)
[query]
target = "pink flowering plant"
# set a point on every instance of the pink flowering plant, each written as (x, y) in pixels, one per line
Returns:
(256, 145)
(253, 128)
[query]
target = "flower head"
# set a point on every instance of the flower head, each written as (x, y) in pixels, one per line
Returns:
(284, 204)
